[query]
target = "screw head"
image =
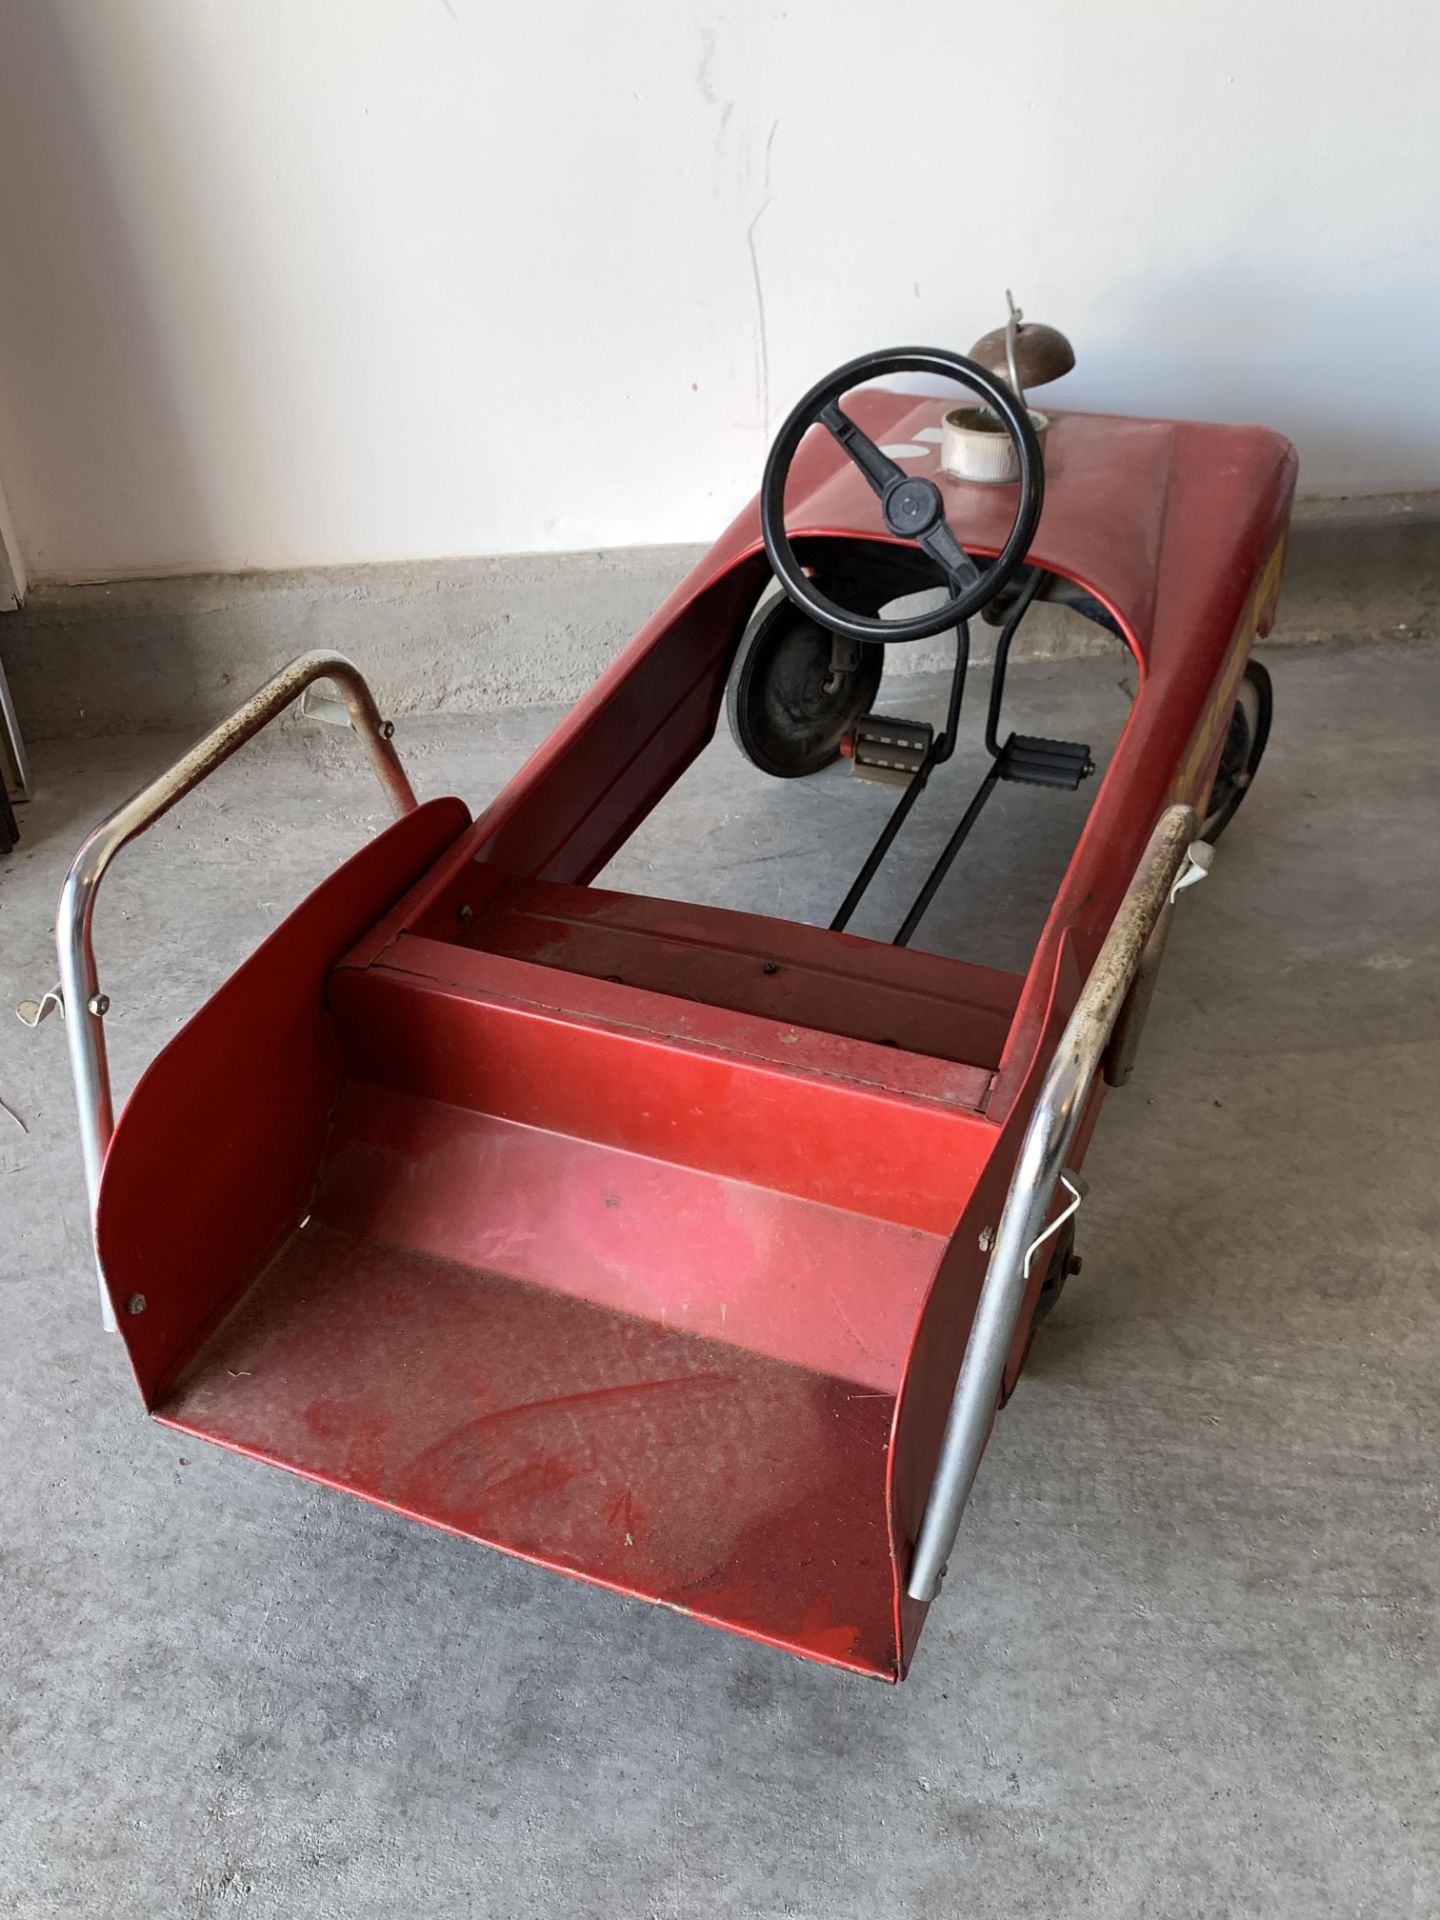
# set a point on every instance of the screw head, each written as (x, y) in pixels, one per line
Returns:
(467, 913)
(99, 1004)
(387, 731)
(987, 1239)
(136, 1303)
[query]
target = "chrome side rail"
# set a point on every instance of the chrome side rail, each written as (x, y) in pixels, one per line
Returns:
(1171, 860)
(81, 1000)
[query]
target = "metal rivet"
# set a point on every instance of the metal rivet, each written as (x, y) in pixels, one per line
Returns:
(387, 731)
(99, 1004)
(136, 1303)
(987, 1239)
(467, 913)
(770, 967)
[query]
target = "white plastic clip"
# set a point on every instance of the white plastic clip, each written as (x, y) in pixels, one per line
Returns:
(1199, 858)
(324, 707)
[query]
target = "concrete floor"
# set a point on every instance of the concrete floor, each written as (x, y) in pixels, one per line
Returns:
(1186, 1660)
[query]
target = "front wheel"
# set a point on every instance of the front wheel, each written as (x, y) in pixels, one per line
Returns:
(1244, 748)
(788, 705)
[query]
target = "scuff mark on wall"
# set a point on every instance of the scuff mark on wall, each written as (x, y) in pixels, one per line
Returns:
(702, 72)
(762, 341)
(769, 143)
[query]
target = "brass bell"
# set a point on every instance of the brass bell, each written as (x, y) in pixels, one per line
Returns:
(1024, 354)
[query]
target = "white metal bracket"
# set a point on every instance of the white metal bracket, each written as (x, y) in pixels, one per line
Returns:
(32, 1012)
(1077, 1189)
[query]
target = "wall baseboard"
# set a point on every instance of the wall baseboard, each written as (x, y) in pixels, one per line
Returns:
(470, 635)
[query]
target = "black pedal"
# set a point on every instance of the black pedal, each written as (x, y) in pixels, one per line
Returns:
(1045, 763)
(890, 751)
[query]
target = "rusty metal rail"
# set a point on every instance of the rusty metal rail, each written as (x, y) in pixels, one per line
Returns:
(1170, 861)
(81, 1001)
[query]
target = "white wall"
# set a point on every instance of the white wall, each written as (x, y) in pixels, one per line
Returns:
(291, 281)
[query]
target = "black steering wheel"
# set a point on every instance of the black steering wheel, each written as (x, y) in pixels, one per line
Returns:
(913, 505)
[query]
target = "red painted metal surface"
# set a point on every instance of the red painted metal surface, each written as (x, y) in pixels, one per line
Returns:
(636, 1238)
(787, 1044)
(821, 982)
(214, 1155)
(638, 1456)
(637, 1078)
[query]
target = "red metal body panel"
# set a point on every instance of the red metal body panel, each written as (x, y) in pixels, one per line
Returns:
(214, 1160)
(637, 1238)
(818, 981)
(634, 1455)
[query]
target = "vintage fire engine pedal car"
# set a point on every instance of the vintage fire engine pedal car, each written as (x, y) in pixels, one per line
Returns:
(682, 1250)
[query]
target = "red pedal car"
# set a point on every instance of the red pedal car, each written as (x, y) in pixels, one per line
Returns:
(688, 1251)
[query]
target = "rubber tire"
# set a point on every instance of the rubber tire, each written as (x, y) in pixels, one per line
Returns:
(1244, 749)
(1057, 1272)
(780, 716)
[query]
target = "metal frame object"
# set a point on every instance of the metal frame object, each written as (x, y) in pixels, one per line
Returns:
(14, 767)
(1048, 1137)
(81, 1001)
(14, 762)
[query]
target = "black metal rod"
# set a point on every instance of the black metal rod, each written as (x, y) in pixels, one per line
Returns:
(882, 846)
(945, 745)
(943, 864)
(939, 751)
(1022, 605)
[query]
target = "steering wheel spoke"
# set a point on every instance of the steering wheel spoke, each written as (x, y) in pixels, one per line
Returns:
(946, 551)
(878, 468)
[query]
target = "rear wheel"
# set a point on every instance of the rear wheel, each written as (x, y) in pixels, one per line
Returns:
(788, 706)
(1062, 1263)
(1243, 750)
